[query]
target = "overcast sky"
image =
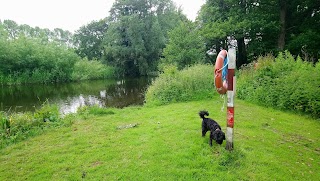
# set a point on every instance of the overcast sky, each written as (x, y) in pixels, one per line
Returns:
(70, 14)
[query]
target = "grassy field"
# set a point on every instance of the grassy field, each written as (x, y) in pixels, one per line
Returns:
(167, 145)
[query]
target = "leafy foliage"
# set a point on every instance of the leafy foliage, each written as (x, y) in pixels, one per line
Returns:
(88, 39)
(137, 34)
(88, 70)
(262, 27)
(185, 46)
(29, 55)
(281, 82)
(25, 57)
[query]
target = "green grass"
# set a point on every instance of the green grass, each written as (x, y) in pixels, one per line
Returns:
(167, 145)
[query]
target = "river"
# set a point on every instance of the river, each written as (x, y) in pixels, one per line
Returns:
(70, 96)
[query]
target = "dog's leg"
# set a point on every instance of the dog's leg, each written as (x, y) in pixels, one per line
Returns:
(204, 132)
(210, 142)
(204, 129)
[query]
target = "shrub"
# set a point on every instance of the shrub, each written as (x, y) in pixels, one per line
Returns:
(193, 83)
(282, 82)
(47, 113)
(27, 60)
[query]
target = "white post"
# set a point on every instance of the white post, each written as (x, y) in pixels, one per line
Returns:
(230, 95)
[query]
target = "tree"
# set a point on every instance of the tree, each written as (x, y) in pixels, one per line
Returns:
(283, 13)
(137, 34)
(3, 32)
(88, 39)
(262, 26)
(12, 28)
(62, 37)
(185, 46)
(245, 20)
(58, 35)
(302, 27)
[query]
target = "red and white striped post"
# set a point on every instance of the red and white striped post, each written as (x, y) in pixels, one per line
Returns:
(231, 79)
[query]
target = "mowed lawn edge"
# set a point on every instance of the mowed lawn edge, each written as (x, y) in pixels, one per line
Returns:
(165, 143)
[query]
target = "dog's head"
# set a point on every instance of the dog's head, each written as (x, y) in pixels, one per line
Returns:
(218, 136)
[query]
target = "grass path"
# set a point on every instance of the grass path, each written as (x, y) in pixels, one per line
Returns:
(167, 145)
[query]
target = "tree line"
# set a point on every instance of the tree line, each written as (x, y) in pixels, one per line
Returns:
(140, 37)
(35, 55)
(263, 26)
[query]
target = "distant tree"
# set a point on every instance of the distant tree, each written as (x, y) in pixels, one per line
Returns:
(59, 36)
(12, 28)
(62, 37)
(3, 32)
(88, 39)
(185, 47)
(137, 34)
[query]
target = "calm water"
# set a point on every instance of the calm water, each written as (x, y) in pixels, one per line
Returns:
(70, 96)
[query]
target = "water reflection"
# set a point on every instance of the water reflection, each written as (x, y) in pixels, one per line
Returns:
(70, 96)
(71, 104)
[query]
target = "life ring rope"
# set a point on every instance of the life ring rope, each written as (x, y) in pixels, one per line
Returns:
(224, 65)
(220, 73)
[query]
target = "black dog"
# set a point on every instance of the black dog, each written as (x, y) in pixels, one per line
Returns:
(215, 130)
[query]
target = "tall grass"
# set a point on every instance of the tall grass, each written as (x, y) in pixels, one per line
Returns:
(282, 82)
(193, 83)
(16, 127)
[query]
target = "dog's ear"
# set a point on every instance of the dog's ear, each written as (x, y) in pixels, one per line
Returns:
(223, 135)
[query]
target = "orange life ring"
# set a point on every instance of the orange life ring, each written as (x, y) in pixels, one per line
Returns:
(220, 84)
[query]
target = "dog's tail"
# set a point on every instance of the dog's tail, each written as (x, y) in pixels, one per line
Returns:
(203, 113)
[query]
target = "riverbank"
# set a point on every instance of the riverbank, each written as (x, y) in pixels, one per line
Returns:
(165, 143)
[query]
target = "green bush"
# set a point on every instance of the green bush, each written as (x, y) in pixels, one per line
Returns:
(27, 60)
(85, 70)
(27, 77)
(193, 83)
(282, 82)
